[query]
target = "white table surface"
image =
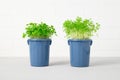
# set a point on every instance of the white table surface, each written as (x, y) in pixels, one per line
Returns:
(60, 69)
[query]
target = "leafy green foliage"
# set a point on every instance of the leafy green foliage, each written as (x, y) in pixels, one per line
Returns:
(80, 28)
(39, 30)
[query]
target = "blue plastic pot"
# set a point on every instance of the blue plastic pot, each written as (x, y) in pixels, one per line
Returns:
(79, 52)
(39, 52)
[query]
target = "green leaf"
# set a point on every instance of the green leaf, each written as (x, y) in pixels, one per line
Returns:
(80, 28)
(23, 35)
(39, 30)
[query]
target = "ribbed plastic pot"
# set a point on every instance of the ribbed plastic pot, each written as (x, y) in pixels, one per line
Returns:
(79, 52)
(39, 52)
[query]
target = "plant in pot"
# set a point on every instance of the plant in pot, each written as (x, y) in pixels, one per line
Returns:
(79, 32)
(39, 42)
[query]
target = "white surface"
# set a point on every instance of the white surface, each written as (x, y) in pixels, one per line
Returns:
(15, 14)
(59, 69)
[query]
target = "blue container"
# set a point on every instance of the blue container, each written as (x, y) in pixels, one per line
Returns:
(39, 52)
(79, 52)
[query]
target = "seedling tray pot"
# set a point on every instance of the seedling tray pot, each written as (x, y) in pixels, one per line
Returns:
(79, 52)
(39, 52)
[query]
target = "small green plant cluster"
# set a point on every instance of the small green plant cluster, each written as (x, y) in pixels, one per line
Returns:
(80, 28)
(39, 31)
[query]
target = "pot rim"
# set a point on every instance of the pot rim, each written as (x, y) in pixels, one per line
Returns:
(39, 39)
(79, 40)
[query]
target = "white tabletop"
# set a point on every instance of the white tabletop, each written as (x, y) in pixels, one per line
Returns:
(59, 69)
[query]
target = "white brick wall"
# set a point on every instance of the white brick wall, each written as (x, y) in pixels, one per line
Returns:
(15, 14)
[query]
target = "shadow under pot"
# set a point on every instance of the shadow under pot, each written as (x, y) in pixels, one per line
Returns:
(79, 52)
(39, 52)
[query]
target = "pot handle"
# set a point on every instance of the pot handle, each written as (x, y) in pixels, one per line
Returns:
(91, 42)
(28, 41)
(69, 42)
(50, 42)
